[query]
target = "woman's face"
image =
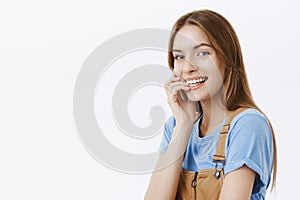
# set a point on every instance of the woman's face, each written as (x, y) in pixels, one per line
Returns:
(196, 62)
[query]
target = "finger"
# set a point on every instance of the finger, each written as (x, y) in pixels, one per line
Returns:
(176, 74)
(175, 98)
(177, 86)
(175, 90)
(174, 78)
(172, 82)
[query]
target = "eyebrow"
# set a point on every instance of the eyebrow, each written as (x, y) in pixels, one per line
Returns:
(195, 47)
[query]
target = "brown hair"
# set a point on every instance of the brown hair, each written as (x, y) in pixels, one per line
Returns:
(224, 40)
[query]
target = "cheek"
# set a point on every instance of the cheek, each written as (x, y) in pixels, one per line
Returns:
(221, 67)
(216, 69)
(217, 77)
(216, 74)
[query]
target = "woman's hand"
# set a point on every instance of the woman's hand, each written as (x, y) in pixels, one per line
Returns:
(164, 180)
(183, 111)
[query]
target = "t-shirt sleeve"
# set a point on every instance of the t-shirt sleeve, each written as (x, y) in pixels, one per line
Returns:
(167, 134)
(250, 143)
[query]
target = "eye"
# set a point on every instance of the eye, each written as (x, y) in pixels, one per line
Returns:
(178, 57)
(203, 53)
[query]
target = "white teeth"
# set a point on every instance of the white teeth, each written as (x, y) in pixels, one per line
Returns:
(200, 80)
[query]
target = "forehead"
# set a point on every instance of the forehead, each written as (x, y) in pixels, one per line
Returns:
(189, 36)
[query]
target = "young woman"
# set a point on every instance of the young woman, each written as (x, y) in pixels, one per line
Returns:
(217, 144)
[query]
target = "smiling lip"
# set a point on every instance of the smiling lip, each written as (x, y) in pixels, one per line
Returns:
(197, 86)
(196, 82)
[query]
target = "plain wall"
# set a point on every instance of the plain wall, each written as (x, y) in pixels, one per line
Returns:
(43, 45)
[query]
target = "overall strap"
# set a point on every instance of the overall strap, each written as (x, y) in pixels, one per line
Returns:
(220, 151)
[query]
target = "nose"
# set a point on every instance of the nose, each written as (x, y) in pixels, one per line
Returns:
(185, 68)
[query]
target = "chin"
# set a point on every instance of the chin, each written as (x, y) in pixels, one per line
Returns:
(195, 97)
(198, 96)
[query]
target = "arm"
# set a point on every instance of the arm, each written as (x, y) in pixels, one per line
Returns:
(249, 151)
(164, 180)
(238, 184)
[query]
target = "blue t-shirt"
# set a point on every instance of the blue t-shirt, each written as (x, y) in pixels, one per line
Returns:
(249, 143)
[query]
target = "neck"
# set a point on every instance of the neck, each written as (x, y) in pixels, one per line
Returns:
(214, 112)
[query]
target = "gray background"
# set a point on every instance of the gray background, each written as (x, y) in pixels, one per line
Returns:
(45, 43)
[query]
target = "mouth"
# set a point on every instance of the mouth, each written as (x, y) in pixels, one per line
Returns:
(194, 82)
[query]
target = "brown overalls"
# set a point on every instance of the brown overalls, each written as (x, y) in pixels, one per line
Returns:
(206, 184)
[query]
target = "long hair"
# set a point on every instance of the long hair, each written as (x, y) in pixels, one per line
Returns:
(224, 40)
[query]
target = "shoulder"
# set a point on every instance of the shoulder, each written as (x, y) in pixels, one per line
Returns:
(250, 142)
(250, 118)
(250, 122)
(249, 114)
